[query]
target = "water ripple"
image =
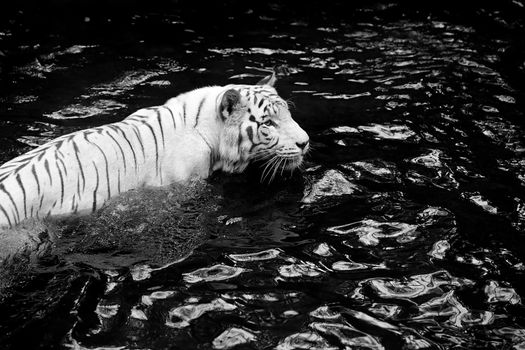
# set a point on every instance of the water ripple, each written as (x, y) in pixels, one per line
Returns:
(431, 169)
(259, 256)
(255, 50)
(369, 231)
(303, 269)
(305, 340)
(348, 266)
(347, 335)
(233, 337)
(439, 249)
(375, 170)
(385, 310)
(323, 249)
(404, 231)
(326, 313)
(97, 108)
(214, 273)
(453, 311)
(138, 314)
(497, 294)
(187, 313)
(331, 183)
(389, 132)
(481, 201)
(157, 295)
(416, 286)
(430, 160)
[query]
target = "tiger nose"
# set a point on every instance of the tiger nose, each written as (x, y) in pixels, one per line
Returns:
(302, 145)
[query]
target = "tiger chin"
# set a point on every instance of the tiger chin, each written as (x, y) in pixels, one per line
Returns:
(190, 136)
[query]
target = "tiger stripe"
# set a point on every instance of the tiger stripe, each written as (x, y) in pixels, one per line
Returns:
(161, 128)
(33, 171)
(18, 179)
(114, 127)
(172, 116)
(124, 162)
(107, 166)
(2, 188)
(139, 139)
(156, 146)
(46, 165)
(118, 183)
(61, 184)
(96, 188)
(199, 112)
(184, 112)
(41, 202)
(75, 148)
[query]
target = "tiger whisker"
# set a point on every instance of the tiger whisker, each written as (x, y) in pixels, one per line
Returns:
(262, 151)
(267, 162)
(272, 170)
(284, 165)
(266, 175)
(276, 168)
(268, 167)
(260, 156)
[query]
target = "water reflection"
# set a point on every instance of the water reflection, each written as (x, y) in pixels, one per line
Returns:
(184, 314)
(233, 337)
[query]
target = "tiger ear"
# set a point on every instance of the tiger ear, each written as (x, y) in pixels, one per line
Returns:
(268, 80)
(230, 100)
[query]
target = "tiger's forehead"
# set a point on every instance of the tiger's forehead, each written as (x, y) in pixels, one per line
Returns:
(262, 98)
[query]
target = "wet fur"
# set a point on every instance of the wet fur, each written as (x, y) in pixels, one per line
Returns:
(193, 134)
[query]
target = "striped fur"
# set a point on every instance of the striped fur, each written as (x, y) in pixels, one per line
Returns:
(193, 134)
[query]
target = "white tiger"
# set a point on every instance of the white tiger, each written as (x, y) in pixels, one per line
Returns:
(191, 135)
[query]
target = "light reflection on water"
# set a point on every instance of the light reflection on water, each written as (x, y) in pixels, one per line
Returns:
(403, 232)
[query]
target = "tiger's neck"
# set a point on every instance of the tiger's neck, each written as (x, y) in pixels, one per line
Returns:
(197, 109)
(200, 114)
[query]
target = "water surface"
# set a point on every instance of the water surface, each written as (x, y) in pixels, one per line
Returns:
(404, 231)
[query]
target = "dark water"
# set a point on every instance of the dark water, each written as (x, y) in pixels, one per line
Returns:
(405, 230)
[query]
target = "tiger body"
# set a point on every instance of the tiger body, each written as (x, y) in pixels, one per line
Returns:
(191, 135)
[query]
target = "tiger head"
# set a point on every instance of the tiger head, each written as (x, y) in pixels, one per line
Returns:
(257, 126)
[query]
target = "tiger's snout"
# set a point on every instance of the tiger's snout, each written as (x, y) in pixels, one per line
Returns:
(302, 140)
(302, 145)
